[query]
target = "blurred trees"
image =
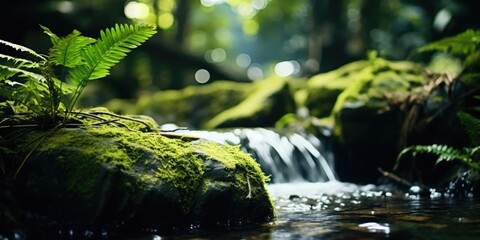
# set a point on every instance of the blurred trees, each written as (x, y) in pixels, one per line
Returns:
(240, 40)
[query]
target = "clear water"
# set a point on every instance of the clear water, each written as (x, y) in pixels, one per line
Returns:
(336, 210)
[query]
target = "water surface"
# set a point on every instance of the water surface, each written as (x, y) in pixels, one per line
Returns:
(335, 210)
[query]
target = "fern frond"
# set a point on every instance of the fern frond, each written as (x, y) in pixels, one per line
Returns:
(24, 73)
(462, 44)
(444, 152)
(21, 48)
(67, 51)
(17, 62)
(113, 45)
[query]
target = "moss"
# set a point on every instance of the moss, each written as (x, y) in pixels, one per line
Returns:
(375, 84)
(445, 63)
(257, 106)
(323, 89)
(149, 158)
(191, 106)
(245, 175)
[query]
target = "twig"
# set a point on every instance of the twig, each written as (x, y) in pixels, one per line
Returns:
(249, 189)
(104, 120)
(174, 130)
(394, 177)
(121, 117)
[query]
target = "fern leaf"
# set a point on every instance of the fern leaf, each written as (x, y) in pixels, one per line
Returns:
(67, 51)
(462, 44)
(444, 152)
(14, 70)
(21, 48)
(111, 48)
(53, 37)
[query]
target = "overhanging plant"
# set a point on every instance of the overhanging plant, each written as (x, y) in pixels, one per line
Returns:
(44, 88)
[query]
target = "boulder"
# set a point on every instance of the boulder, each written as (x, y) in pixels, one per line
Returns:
(367, 124)
(115, 177)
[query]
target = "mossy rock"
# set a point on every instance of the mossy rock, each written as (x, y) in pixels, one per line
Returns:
(323, 89)
(111, 177)
(269, 100)
(366, 122)
(190, 107)
(374, 88)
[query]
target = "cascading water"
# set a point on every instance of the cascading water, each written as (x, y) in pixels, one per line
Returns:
(286, 157)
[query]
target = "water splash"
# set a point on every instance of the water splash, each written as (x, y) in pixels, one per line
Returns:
(286, 157)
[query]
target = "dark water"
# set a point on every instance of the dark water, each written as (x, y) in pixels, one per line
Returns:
(345, 211)
(335, 210)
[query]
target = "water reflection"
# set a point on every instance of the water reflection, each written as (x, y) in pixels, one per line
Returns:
(335, 210)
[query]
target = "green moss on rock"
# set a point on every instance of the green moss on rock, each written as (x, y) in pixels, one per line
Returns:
(323, 89)
(192, 106)
(268, 101)
(100, 175)
(373, 87)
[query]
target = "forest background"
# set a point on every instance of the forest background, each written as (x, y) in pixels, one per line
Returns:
(201, 41)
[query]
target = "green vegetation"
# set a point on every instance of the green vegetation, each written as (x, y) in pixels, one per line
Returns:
(41, 91)
(465, 45)
(45, 86)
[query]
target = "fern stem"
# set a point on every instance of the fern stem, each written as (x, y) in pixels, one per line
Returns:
(73, 101)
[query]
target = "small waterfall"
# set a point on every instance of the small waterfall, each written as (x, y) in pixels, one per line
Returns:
(286, 157)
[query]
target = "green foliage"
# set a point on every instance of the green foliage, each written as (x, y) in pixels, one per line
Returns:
(44, 85)
(472, 126)
(465, 45)
(445, 154)
(467, 155)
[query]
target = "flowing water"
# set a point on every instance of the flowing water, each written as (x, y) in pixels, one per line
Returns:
(286, 157)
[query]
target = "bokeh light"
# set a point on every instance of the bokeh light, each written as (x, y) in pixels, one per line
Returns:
(202, 76)
(65, 7)
(165, 20)
(255, 72)
(211, 3)
(136, 10)
(287, 68)
(243, 60)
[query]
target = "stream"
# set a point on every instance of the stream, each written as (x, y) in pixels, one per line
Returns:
(335, 210)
